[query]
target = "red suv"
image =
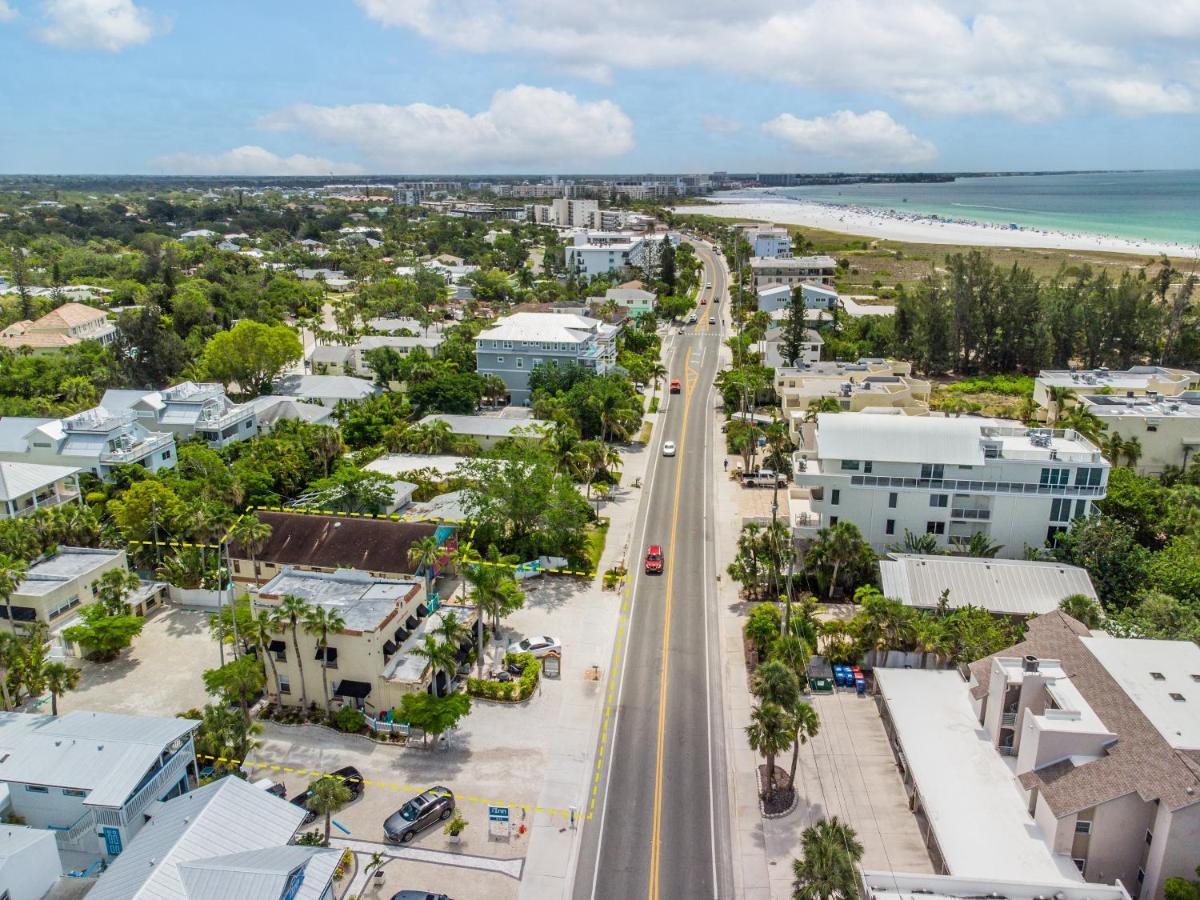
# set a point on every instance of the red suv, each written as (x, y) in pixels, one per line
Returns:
(654, 560)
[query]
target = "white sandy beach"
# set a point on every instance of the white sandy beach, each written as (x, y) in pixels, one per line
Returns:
(923, 229)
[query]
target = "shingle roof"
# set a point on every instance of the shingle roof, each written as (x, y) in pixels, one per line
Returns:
(1140, 760)
(1011, 586)
(337, 542)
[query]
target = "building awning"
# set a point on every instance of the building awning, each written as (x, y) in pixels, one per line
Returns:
(388, 648)
(277, 646)
(410, 623)
(357, 689)
(400, 635)
(422, 610)
(330, 654)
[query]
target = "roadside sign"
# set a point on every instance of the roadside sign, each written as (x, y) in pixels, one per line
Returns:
(497, 813)
(551, 663)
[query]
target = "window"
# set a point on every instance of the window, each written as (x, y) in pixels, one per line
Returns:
(1178, 698)
(1088, 477)
(73, 792)
(1053, 532)
(939, 500)
(867, 466)
(1060, 510)
(892, 498)
(934, 471)
(1082, 827)
(1158, 676)
(1080, 864)
(889, 526)
(1150, 427)
(849, 465)
(833, 520)
(835, 497)
(285, 685)
(1054, 477)
(1080, 508)
(166, 454)
(1195, 677)
(499, 360)
(520, 363)
(935, 527)
(37, 789)
(69, 605)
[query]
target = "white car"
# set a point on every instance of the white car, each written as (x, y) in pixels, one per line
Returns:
(538, 646)
(708, 284)
(668, 448)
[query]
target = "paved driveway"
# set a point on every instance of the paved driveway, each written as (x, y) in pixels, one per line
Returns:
(160, 675)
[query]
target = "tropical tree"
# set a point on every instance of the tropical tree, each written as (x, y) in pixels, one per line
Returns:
(320, 623)
(826, 869)
(769, 733)
(1132, 451)
(102, 635)
(260, 631)
(223, 734)
(439, 656)
(238, 680)
(1083, 609)
(925, 544)
(327, 796)
(775, 682)
(422, 555)
(12, 573)
(1085, 422)
(821, 405)
(805, 724)
(251, 534)
(113, 589)
(293, 610)
(842, 553)
(980, 545)
(60, 678)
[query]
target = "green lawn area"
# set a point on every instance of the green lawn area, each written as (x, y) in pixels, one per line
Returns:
(597, 535)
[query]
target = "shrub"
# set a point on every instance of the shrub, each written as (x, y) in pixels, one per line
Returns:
(762, 627)
(518, 690)
(349, 720)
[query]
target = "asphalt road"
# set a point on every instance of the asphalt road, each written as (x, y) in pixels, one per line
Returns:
(661, 824)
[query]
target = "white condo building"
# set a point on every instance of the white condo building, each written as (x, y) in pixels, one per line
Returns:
(949, 477)
(594, 253)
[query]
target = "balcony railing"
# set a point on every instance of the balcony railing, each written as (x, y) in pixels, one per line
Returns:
(172, 770)
(967, 513)
(77, 832)
(1008, 720)
(976, 487)
(137, 450)
(1007, 750)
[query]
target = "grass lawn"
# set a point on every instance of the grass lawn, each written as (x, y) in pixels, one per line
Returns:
(597, 534)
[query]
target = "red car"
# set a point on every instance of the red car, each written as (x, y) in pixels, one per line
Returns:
(675, 386)
(654, 560)
(703, 300)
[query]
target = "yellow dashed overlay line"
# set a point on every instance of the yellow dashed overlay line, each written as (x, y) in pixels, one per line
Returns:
(404, 788)
(608, 701)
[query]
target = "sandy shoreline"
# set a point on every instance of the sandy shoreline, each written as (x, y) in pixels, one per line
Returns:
(923, 229)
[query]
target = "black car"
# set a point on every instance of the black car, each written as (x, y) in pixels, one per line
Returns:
(348, 775)
(422, 811)
(418, 895)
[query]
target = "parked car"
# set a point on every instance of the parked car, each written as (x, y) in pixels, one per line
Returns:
(654, 560)
(348, 775)
(676, 387)
(419, 813)
(418, 895)
(668, 448)
(538, 646)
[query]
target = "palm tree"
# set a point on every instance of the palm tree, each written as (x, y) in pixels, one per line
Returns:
(251, 534)
(494, 388)
(1085, 422)
(1058, 397)
(656, 373)
(422, 554)
(261, 631)
(9, 650)
(451, 630)
(430, 437)
(1132, 451)
(769, 733)
(565, 448)
(805, 724)
(821, 405)
(293, 610)
(1112, 446)
(826, 869)
(113, 589)
(925, 544)
(841, 545)
(439, 657)
(775, 682)
(1083, 609)
(60, 678)
(12, 573)
(321, 622)
(328, 795)
(980, 545)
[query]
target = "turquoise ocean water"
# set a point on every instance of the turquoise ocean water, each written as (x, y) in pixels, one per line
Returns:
(1157, 206)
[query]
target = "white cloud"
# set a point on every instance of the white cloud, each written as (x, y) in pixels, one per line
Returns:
(873, 138)
(109, 25)
(1018, 58)
(523, 126)
(720, 125)
(7, 13)
(1137, 97)
(250, 160)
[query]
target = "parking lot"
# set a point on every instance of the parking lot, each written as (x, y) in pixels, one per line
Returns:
(160, 675)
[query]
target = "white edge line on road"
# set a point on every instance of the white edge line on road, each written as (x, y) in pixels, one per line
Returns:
(647, 490)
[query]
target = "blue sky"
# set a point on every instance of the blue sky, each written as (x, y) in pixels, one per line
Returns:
(427, 86)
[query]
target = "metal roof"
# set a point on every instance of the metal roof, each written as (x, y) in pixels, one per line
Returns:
(254, 874)
(488, 426)
(63, 567)
(223, 818)
(18, 479)
(1010, 586)
(910, 439)
(328, 387)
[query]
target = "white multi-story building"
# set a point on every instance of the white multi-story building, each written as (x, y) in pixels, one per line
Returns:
(792, 271)
(188, 410)
(949, 477)
(775, 297)
(599, 252)
(95, 439)
(768, 241)
(518, 344)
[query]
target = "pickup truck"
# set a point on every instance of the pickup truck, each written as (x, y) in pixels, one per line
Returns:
(764, 478)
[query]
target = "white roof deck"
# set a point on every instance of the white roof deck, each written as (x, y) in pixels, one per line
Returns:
(913, 439)
(17, 479)
(969, 795)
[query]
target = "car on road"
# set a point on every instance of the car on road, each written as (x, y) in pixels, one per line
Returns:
(691, 319)
(419, 813)
(676, 387)
(348, 775)
(668, 448)
(708, 284)
(712, 320)
(539, 646)
(703, 300)
(418, 895)
(654, 560)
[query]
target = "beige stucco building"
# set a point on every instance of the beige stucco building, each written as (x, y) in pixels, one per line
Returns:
(1166, 428)
(866, 384)
(369, 664)
(1136, 381)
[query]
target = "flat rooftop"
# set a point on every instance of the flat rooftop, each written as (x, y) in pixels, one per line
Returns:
(1134, 378)
(67, 564)
(365, 603)
(1183, 406)
(902, 886)
(969, 795)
